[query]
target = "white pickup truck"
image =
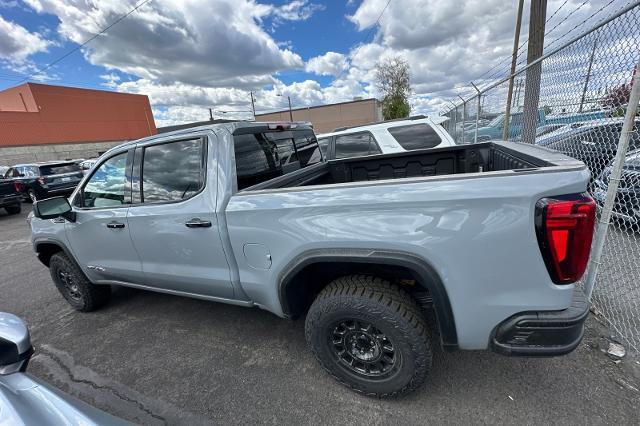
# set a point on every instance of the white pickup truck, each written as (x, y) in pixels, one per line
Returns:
(486, 239)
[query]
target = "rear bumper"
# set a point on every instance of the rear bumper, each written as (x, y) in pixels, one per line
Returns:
(10, 201)
(543, 333)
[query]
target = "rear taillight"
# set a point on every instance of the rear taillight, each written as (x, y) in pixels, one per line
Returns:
(16, 186)
(564, 226)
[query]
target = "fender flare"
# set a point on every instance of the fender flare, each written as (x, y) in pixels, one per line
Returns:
(424, 272)
(46, 241)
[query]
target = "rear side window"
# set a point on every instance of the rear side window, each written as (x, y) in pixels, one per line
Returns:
(356, 145)
(415, 136)
(59, 169)
(264, 156)
(172, 171)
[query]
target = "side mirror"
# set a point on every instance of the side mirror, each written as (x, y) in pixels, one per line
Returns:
(52, 208)
(15, 344)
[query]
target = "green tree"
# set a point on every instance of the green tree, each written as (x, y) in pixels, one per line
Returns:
(392, 79)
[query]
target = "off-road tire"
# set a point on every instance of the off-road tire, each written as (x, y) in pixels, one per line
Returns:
(390, 310)
(82, 295)
(15, 209)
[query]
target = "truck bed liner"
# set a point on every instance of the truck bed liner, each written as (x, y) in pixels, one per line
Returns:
(477, 158)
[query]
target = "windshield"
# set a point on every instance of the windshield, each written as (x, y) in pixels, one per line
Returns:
(496, 121)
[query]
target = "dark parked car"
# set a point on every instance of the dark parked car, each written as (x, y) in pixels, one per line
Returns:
(627, 204)
(594, 143)
(10, 198)
(44, 180)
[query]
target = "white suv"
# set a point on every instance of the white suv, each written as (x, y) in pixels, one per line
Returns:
(418, 132)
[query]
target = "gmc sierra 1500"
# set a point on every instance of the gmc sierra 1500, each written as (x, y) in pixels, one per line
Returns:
(489, 238)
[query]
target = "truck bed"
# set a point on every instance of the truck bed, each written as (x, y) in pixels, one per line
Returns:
(484, 157)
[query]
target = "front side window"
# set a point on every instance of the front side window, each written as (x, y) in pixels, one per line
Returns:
(172, 171)
(356, 145)
(106, 187)
(415, 136)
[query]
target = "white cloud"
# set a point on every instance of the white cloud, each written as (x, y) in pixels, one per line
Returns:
(192, 55)
(17, 43)
(199, 42)
(449, 44)
(297, 10)
(110, 80)
(331, 63)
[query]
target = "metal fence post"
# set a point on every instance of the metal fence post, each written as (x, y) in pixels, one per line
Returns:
(614, 180)
(455, 121)
(464, 115)
(475, 136)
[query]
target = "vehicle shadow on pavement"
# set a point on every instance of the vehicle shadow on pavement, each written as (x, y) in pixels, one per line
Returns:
(233, 362)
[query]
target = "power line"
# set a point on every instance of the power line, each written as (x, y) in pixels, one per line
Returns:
(89, 40)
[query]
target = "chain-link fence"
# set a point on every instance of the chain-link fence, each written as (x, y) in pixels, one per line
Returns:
(584, 94)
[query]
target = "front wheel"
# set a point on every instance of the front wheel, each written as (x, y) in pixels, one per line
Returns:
(369, 335)
(74, 286)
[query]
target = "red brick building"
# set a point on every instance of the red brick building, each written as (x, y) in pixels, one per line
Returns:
(42, 114)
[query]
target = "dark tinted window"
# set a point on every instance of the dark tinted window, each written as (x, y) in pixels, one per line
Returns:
(12, 172)
(415, 136)
(59, 169)
(172, 171)
(263, 156)
(323, 143)
(356, 145)
(307, 147)
(106, 187)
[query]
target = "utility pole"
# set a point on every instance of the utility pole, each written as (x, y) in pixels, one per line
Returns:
(210, 114)
(588, 77)
(537, 17)
(514, 56)
(253, 106)
(290, 112)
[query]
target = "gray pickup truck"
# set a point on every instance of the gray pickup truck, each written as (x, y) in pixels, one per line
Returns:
(472, 247)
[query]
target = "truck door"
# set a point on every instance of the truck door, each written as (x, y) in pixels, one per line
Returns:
(172, 220)
(99, 237)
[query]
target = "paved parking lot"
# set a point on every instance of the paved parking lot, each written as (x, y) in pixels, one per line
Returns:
(154, 359)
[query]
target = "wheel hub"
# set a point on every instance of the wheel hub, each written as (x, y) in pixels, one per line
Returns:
(362, 348)
(69, 284)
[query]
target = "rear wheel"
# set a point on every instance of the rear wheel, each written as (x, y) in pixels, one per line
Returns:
(74, 286)
(370, 335)
(15, 209)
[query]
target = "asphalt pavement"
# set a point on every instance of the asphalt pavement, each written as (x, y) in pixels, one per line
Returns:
(159, 359)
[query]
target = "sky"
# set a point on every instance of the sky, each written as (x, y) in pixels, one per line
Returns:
(192, 55)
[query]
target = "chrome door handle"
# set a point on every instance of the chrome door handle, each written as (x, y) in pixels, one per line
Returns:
(196, 222)
(115, 225)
